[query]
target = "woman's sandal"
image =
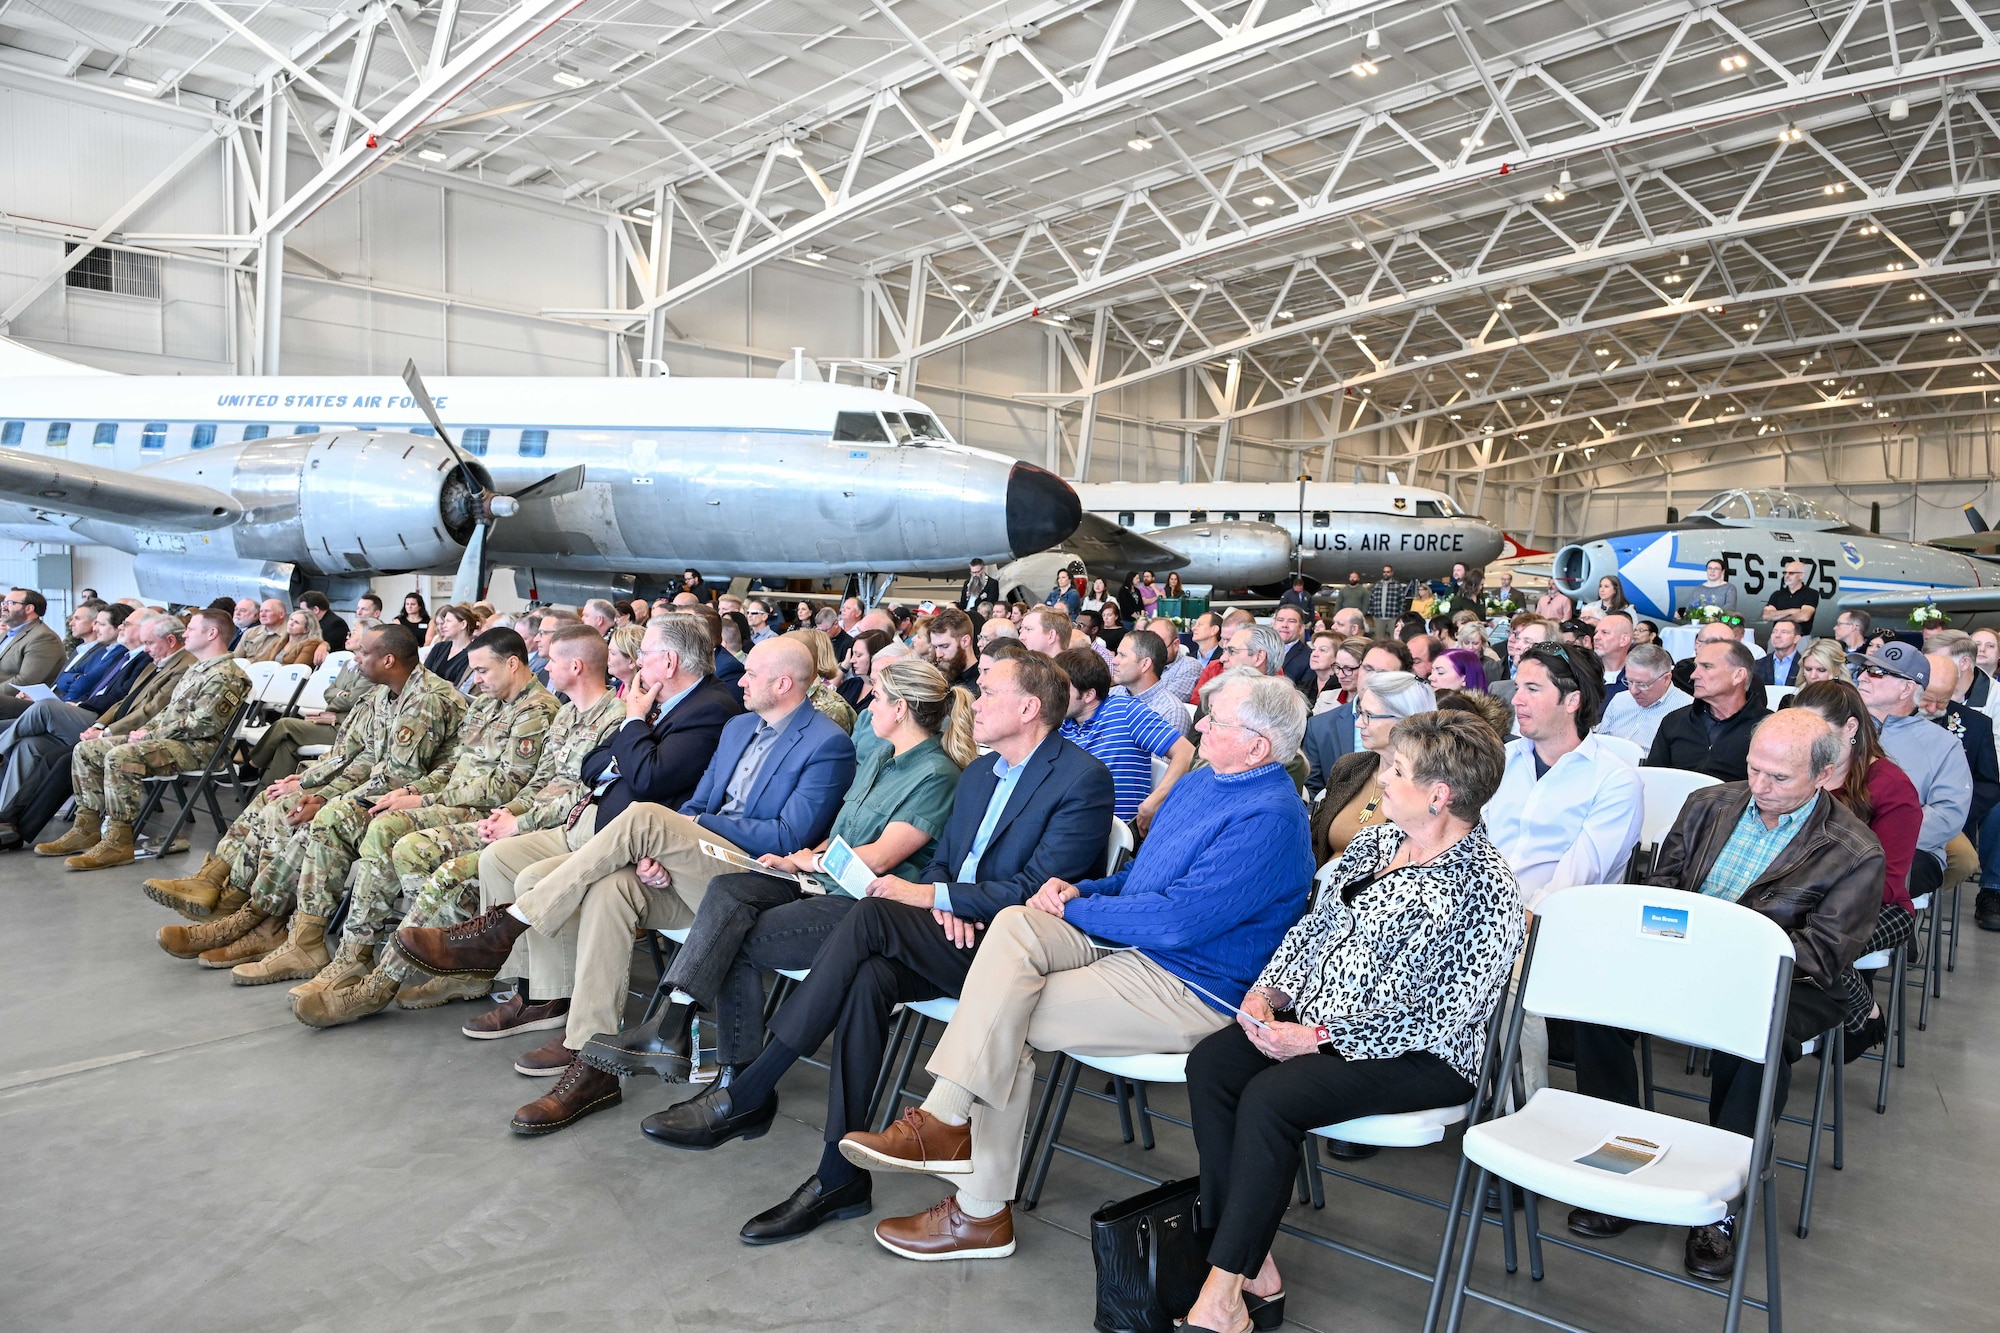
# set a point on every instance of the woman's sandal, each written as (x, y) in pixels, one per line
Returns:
(1266, 1312)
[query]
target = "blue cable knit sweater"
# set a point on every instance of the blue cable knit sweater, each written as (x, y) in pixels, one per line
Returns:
(1224, 873)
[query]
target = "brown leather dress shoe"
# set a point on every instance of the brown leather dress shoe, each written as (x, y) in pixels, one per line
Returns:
(917, 1142)
(545, 1061)
(1711, 1251)
(943, 1232)
(515, 1016)
(576, 1094)
(475, 948)
(1599, 1226)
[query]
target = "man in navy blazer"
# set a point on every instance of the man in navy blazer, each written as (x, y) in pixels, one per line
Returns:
(1037, 808)
(1329, 735)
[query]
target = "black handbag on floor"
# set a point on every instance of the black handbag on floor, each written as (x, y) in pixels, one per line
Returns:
(1151, 1256)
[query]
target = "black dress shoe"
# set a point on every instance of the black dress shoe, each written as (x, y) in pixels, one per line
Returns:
(1493, 1197)
(1340, 1150)
(664, 1046)
(811, 1204)
(708, 1121)
(1986, 910)
(1854, 1045)
(1711, 1251)
(1599, 1226)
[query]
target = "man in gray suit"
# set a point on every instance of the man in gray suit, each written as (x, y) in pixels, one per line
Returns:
(30, 653)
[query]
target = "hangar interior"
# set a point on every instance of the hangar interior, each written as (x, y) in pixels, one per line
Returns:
(1576, 263)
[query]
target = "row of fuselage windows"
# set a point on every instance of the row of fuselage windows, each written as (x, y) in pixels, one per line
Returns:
(153, 435)
(1321, 518)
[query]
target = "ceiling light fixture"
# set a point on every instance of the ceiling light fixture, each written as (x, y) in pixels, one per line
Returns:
(961, 207)
(1092, 251)
(1899, 108)
(1156, 342)
(1361, 69)
(430, 155)
(1957, 218)
(961, 286)
(1357, 245)
(815, 257)
(1791, 134)
(1373, 41)
(1139, 143)
(1263, 201)
(1736, 63)
(569, 78)
(1285, 314)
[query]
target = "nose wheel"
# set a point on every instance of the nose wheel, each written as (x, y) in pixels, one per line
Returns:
(870, 588)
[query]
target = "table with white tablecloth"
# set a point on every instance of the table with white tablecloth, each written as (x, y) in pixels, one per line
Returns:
(1679, 640)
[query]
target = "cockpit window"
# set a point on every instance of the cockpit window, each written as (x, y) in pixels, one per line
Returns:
(1767, 504)
(859, 428)
(899, 430)
(1429, 509)
(924, 426)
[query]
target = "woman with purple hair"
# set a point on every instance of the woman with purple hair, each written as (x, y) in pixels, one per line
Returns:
(1458, 669)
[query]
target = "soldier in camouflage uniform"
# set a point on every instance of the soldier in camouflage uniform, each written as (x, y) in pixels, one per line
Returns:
(499, 744)
(394, 737)
(439, 867)
(109, 772)
(222, 885)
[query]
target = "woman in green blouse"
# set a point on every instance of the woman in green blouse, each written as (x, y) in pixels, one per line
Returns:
(750, 923)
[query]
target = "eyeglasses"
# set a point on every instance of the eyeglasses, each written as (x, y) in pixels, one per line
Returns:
(1344, 670)
(1363, 715)
(1877, 673)
(1215, 723)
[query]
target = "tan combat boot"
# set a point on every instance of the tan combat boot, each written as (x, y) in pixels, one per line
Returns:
(113, 849)
(188, 941)
(199, 895)
(354, 961)
(334, 1005)
(83, 836)
(259, 943)
(302, 954)
(429, 992)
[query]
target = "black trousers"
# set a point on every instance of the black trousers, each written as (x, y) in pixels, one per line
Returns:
(749, 924)
(1605, 1067)
(882, 954)
(1251, 1115)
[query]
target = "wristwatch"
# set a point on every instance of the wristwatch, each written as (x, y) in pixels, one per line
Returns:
(1325, 1040)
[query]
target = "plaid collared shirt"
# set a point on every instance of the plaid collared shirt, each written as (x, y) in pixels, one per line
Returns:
(1750, 851)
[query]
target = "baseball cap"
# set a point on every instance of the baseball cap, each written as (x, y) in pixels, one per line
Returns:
(1898, 659)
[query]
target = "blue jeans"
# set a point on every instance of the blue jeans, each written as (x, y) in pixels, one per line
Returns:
(1989, 852)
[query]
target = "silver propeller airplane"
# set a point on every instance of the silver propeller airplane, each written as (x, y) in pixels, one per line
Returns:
(225, 485)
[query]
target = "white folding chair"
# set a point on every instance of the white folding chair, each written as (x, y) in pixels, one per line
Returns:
(1665, 791)
(1159, 772)
(1121, 842)
(1680, 966)
(1775, 695)
(1630, 751)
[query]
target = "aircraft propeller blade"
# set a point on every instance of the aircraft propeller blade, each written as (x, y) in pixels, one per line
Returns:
(470, 582)
(555, 484)
(415, 383)
(1979, 524)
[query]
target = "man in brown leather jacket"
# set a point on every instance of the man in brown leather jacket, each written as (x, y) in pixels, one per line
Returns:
(1779, 845)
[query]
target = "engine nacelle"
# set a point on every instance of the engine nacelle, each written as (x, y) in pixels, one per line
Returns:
(197, 582)
(1229, 555)
(337, 503)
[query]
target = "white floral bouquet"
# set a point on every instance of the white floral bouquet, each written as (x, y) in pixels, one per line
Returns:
(1928, 616)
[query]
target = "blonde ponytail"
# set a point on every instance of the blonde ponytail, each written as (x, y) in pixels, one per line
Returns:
(940, 708)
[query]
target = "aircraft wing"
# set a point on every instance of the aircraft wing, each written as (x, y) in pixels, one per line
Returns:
(87, 491)
(1947, 599)
(1972, 543)
(1098, 541)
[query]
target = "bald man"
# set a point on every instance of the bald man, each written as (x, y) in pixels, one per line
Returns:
(778, 777)
(1778, 845)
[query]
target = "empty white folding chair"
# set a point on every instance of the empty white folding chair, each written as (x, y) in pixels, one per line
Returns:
(1665, 791)
(1676, 965)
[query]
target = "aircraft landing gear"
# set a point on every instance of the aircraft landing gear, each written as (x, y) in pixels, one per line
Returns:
(870, 588)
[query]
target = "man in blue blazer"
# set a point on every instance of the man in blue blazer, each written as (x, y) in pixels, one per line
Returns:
(774, 784)
(1037, 808)
(1329, 735)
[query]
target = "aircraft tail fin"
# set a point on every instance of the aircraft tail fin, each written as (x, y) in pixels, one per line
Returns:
(21, 360)
(1978, 522)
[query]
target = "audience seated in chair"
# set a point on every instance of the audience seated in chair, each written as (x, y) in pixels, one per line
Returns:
(1649, 696)
(1892, 680)
(1151, 959)
(1376, 1002)
(773, 785)
(1036, 809)
(750, 923)
(1779, 845)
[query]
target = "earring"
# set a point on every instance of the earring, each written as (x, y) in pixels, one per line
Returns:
(1434, 808)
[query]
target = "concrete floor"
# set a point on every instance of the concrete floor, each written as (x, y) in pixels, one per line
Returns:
(178, 1153)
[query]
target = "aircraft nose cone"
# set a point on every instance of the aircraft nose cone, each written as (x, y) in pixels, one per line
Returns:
(1041, 510)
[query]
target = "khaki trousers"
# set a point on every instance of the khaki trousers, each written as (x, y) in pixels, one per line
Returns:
(510, 867)
(587, 903)
(1961, 862)
(1039, 983)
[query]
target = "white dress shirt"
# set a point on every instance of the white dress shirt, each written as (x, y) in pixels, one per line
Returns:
(1577, 824)
(1623, 715)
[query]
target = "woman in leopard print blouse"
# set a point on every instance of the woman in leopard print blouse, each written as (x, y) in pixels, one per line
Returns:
(1375, 1003)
